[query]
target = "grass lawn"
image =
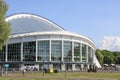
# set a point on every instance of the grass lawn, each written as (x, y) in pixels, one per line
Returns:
(61, 76)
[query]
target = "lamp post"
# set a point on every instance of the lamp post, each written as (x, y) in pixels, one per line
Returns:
(66, 68)
(2, 70)
(43, 68)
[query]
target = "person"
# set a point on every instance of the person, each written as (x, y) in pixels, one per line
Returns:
(24, 71)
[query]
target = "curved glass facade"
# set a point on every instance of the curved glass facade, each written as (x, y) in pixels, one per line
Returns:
(56, 50)
(29, 50)
(14, 52)
(77, 52)
(67, 51)
(84, 56)
(49, 51)
(43, 51)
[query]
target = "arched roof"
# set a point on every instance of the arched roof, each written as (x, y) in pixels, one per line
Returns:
(25, 23)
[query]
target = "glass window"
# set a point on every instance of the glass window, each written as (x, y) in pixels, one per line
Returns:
(77, 52)
(56, 50)
(83, 53)
(2, 53)
(77, 66)
(29, 50)
(43, 51)
(57, 66)
(67, 51)
(14, 52)
(92, 55)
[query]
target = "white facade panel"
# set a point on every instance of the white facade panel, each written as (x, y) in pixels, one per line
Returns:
(67, 38)
(56, 37)
(28, 38)
(14, 40)
(43, 37)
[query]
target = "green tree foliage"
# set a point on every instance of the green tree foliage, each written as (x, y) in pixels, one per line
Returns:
(4, 26)
(108, 57)
(99, 56)
(116, 57)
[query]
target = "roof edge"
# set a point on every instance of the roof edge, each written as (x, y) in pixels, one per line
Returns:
(38, 16)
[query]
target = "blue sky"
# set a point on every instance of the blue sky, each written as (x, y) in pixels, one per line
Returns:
(97, 19)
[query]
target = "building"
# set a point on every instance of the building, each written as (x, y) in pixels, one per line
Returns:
(36, 41)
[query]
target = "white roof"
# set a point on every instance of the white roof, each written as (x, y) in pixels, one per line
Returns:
(25, 23)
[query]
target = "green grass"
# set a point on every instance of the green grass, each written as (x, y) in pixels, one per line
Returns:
(61, 76)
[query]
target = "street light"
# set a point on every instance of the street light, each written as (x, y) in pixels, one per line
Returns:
(43, 68)
(66, 68)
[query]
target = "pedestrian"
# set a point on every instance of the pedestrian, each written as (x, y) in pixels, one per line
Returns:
(24, 71)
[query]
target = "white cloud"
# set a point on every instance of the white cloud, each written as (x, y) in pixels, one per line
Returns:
(111, 43)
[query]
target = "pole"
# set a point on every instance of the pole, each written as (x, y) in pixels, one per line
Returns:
(43, 68)
(2, 71)
(66, 69)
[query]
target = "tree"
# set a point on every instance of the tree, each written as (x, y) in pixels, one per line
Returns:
(108, 57)
(99, 56)
(116, 57)
(4, 26)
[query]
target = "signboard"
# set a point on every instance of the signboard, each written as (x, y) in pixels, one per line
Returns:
(7, 65)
